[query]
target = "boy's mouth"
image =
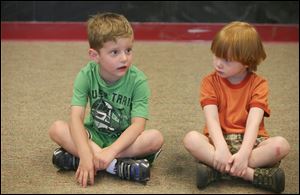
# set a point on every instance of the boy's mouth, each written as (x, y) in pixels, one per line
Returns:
(219, 72)
(122, 68)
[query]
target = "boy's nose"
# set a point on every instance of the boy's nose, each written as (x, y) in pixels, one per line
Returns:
(123, 56)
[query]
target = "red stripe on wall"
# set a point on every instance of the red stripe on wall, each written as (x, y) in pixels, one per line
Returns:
(143, 31)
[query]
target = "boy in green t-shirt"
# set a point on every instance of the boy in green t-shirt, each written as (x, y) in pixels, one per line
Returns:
(112, 136)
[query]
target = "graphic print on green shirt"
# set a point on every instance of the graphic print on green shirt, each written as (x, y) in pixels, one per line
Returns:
(108, 119)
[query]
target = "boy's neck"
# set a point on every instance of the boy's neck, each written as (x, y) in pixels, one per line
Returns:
(238, 78)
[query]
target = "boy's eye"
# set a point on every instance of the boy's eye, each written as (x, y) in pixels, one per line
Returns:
(114, 52)
(128, 50)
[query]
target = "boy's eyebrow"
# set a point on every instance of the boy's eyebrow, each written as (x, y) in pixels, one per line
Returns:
(118, 47)
(113, 49)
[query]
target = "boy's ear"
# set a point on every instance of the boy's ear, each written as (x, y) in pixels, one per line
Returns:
(93, 54)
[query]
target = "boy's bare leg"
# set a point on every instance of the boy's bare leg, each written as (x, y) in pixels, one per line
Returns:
(195, 140)
(149, 142)
(266, 154)
(59, 132)
(269, 152)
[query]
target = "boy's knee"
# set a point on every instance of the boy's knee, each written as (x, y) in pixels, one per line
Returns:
(189, 138)
(153, 140)
(55, 129)
(158, 139)
(282, 146)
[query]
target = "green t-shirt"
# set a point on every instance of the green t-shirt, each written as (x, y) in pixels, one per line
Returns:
(112, 106)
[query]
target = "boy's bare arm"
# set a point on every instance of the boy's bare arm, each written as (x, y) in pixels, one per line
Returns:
(252, 126)
(126, 139)
(222, 153)
(213, 126)
(240, 159)
(129, 135)
(85, 169)
(78, 132)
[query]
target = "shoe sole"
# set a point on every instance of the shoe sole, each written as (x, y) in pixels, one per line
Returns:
(280, 181)
(201, 176)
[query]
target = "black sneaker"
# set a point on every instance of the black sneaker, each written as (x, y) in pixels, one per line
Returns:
(63, 160)
(137, 170)
(270, 178)
(206, 175)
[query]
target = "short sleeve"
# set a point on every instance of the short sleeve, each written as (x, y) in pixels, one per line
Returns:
(207, 92)
(140, 101)
(259, 97)
(80, 90)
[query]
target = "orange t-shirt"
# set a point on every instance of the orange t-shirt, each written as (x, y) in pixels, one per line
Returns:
(235, 100)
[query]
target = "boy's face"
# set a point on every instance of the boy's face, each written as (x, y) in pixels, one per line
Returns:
(231, 70)
(115, 59)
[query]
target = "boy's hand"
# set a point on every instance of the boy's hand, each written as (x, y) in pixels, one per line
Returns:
(85, 171)
(239, 163)
(221, 158)
(104, 158)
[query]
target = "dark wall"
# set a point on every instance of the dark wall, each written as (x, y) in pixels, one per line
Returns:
(284, 12)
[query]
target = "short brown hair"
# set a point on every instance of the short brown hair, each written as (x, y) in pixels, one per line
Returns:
(107, 27)
(239, 41)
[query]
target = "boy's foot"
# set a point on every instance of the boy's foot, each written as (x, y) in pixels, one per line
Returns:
(270, 178)
(137, 170)
(206, 175)
(63, 160)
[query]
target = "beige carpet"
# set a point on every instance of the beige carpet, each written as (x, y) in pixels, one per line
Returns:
(36, 88)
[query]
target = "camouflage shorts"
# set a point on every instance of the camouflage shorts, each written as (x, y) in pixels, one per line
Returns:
(234, 141)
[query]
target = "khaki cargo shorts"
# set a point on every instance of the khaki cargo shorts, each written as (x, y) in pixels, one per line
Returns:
(234, 141)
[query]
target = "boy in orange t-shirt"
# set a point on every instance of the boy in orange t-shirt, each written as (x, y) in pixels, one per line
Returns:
(235, 102)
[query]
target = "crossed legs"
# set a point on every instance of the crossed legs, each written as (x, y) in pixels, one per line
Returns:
(267, 153)
(148, 142)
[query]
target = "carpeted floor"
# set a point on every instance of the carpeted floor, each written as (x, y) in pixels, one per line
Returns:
(36, 88)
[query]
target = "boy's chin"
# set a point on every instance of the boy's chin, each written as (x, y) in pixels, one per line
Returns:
(122, 71)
